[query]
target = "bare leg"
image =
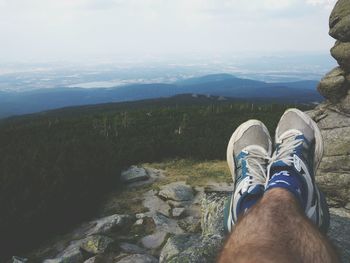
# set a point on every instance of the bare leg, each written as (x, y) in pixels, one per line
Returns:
(276, 230)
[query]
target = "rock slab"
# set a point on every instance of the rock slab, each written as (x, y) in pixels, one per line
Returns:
(178, 191)
(134, 174)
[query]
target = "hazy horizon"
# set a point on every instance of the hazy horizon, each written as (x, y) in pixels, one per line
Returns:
(96, 30)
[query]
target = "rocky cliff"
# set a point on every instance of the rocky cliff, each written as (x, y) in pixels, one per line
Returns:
(333, 116)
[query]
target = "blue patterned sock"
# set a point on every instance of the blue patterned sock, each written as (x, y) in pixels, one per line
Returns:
(289, 179)
(249, 199)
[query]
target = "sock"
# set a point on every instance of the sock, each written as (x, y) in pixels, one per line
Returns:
(289, 179)
(249, 199)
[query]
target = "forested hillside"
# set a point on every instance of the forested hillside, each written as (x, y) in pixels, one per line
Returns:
(56, 166)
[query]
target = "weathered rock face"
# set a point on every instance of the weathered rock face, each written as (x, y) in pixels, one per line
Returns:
(334, 85)
(344, 104)
(333, 174)
(341, 52)
(339, 21)
(333, 116)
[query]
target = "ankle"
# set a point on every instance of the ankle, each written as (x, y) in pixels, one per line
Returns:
(282, 195)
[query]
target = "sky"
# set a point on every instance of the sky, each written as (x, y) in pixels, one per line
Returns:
(45, 30)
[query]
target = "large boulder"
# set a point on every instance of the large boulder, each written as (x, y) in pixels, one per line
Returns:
(339, 21)
(334, 85)
(333, 174)
(341, 52)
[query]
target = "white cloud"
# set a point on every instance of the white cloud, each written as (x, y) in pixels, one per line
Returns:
(66, 28)
(327, 4)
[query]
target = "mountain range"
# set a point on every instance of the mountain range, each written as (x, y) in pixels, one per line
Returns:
(224, 85)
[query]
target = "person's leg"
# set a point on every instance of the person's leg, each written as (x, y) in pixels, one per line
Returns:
(282, 225)
(276, 230)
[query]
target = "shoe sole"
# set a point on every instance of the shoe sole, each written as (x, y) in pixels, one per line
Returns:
(238, 133)
(319, 148)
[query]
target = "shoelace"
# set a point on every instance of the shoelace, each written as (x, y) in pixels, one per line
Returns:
(285, 150)
(256, 162)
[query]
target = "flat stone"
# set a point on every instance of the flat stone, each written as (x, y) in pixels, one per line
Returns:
(155, 204)
(339, 21)
(178, 191)
(71, 254)
(165, 224)
(333, 86)
(109, 224)
(96, 244)
(178, 211)
(341, 52)
(134, 174)
(131, 248)
(191, 248)
(138, 258)
(154, 175)
(154, 241)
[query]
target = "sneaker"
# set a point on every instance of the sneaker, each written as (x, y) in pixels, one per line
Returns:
(298, 153)
(248, 152)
